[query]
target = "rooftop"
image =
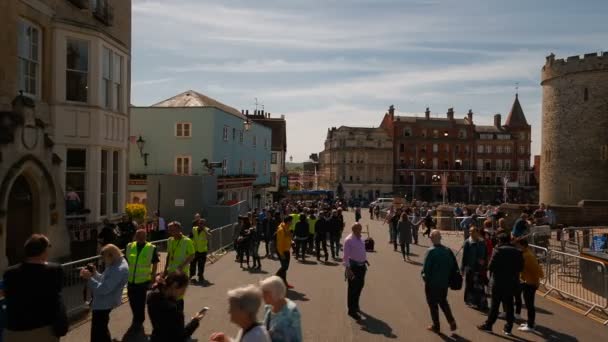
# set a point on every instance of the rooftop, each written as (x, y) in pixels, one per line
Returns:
(192, 98)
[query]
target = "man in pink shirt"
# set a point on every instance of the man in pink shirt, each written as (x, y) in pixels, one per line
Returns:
(355, 261)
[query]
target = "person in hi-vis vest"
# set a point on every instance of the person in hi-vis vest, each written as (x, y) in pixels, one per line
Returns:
(180, 253)
(143, 259)
(200, 237)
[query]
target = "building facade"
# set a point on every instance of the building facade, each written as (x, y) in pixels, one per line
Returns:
(278, 149)
(66, 135)
(360, 160)
(574, 148)
(472, 163)
(182, 132)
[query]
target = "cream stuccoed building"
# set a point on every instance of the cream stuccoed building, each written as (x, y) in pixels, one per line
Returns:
(64, 102)
(358, 159)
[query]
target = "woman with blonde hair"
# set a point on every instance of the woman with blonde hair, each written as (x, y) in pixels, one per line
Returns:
(281, 315)
(106, 289)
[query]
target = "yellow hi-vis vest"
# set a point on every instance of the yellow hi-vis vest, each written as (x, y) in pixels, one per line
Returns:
(199, 235)
(178, 252)
(140, 264)
(311, 226)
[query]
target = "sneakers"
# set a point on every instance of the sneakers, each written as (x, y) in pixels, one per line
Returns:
(525, 328)
(507, 333)
(484, 327)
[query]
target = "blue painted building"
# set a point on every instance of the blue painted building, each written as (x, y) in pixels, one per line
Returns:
(180, 132)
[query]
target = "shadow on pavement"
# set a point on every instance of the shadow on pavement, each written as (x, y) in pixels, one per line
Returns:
(297, 296)
(415, 263)
(375, 326)
(453, 338)
(306, 262)
(551, 335)
(256, 271)
(329, 263)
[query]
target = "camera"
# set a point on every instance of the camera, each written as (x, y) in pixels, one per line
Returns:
(90, 268)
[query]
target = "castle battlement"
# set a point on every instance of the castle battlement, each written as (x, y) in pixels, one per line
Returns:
(559, 67)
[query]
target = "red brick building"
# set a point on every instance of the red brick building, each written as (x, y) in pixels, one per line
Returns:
(475, 159)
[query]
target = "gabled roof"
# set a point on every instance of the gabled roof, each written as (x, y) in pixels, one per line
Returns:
(516, 117)
(192, 98)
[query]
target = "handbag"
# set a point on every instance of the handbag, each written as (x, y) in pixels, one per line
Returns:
(455, 281)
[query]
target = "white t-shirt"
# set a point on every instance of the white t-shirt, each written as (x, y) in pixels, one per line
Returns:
(257, 334)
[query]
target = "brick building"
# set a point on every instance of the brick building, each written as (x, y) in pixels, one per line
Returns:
(475, 159)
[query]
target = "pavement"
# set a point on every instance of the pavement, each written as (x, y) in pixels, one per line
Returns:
(393, 302)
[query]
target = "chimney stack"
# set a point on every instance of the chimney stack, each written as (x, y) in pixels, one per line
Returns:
(262, 112)
(247, 112)
(470, 116)
(427, 113)
(497, 120)
(391, 112)
(450, 113)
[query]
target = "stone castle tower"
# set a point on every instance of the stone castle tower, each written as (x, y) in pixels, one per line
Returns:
(574, 150)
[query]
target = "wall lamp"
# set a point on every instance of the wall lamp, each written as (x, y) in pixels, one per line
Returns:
(141, 143)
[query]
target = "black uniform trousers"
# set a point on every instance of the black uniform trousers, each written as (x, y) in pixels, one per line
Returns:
(137, 301)
(99, 326)
(200, 259)
(355, 286)
(506, 297)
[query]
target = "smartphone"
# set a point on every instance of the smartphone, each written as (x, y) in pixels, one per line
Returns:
(203, 311)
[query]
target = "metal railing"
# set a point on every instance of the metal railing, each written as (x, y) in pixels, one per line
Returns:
(77, 297)
(578, 278)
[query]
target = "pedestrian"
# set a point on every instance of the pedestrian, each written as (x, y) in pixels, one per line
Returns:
(201, 234)
(272, 233)
(32, 290)
(180, 253)
(341, 230)
(242, 243)
(505, 267)
(439, 264)
(301, 237)
(254, 247)
(395, 226)
(106, 289)
(357, 213)
(377, 212)
(416, 221)
(244, 305)
(405, 235)
(429, 223)
(355, 262)
(262, 226)
(127, 230)
(322, 228)
(335, 234)
(163, 309)
(530, 278)
(520, 227)
(160, 227)
(466, 224)
(284, 238)
(312, 224)
(371, 212)
(473, 268)
(142, 257)
(281, 315)
(108, 234)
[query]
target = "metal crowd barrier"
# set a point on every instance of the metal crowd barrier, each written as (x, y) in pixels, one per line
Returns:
(75, 294)
(578, 278)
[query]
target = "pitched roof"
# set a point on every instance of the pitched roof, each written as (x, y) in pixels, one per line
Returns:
(488, 129)
(279, 131)
(192, 98)
(432, 120)
(516, 117)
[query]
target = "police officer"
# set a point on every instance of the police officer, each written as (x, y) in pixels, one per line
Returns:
(200, 237)
(180, 253)
(143, 259)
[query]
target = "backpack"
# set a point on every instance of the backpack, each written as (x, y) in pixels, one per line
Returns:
(455, 276)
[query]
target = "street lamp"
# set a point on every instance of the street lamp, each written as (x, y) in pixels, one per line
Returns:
(247, 124)
(140, 145)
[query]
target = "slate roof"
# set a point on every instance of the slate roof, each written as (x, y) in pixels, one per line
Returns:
(516, 117)
(192, 98)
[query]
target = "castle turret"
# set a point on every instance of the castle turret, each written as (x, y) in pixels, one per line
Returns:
(574, 152)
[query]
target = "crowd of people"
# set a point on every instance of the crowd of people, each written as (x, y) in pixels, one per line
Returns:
(496, 265)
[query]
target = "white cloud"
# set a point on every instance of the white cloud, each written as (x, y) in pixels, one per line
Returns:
(139, 83)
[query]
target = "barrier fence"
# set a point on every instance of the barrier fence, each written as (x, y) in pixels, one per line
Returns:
(77, 297)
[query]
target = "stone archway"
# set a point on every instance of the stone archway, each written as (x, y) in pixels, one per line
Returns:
(20, 218)
(28, 200)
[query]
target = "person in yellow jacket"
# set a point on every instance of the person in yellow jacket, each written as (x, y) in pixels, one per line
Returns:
(200, 237)
(143, 259)
(180, 253)
(530, 276)
(284, 237)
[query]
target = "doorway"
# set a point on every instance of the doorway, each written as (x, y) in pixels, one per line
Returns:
(19, 224)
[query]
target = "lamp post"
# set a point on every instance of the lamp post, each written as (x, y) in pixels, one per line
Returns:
(141, 143)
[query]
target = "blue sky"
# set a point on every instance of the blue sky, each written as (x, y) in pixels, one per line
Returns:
(338, 62)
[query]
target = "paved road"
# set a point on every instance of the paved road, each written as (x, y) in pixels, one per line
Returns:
(393, 302)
